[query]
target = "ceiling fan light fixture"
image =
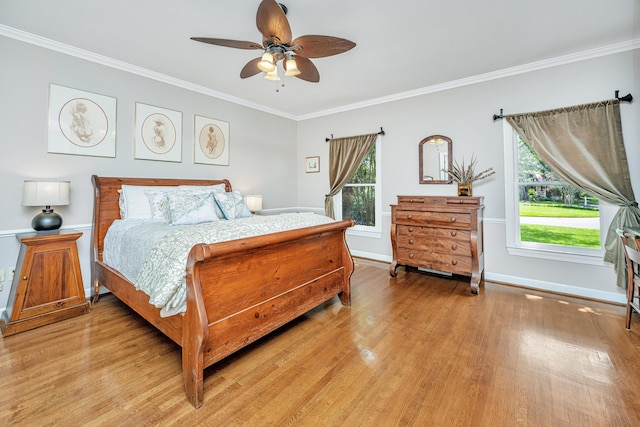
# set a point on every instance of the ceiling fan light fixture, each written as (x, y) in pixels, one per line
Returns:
(272, 75)
(291, 67)
(278, 44)
(266, 63)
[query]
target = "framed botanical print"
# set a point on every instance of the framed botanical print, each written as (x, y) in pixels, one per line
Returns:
(211, 141)
(158, 134)
(312, 164)
(81, 122)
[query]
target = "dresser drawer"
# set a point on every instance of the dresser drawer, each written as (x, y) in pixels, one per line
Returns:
(433, 233)
(443, 246)
(435, 219)
(457, 264)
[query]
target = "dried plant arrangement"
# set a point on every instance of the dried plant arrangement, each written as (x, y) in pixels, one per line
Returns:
(466, 174)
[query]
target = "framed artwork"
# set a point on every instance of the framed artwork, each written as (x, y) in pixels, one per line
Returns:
(210, 141)
(158, 134)
(81, 122)
(312, 164)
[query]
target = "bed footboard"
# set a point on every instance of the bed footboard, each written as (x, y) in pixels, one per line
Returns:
(241, 290)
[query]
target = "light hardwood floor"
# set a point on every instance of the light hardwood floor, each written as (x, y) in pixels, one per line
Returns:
(416, 350)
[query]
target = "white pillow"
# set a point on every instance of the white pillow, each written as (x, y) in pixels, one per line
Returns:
(159, 205)
(191, 207)
(218, 188)
(134, 202)
(232, 205)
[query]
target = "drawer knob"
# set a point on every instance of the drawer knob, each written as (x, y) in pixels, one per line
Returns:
(454, 246)
(411, 241)
(409, 216)
(454, 262)
(25, 277)
(454, 233)
(411, 256)
(410, 229)
(453, 219)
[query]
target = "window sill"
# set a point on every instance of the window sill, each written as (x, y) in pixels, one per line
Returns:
(374, 234)
(594, 258)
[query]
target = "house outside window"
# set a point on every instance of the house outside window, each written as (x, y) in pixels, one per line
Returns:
(545, 216)
(360, 198)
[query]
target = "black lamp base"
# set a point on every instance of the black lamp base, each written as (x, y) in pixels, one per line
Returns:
(47, 220)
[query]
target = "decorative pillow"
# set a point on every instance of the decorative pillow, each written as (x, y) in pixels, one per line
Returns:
(218, 188)
(159, 205)
(191, 207)
(232, 205)
(135, 202)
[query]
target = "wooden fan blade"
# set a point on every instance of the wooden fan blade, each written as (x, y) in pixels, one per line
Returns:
(238, 44)
(308, 71)
(321, 46)
(273, 23)
(251, 68)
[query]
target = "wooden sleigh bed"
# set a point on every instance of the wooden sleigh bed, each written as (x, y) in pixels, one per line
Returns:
(228, 306)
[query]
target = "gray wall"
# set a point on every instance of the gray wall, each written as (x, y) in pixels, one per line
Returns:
(267, 152)
(465, 115)
(262, 146)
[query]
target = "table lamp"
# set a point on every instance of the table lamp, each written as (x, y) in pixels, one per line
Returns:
(47, 194)
(254, 202)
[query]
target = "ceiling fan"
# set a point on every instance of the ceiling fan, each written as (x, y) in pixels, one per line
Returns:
(278, 45)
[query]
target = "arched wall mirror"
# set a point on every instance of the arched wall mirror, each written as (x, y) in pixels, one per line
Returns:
(435, 155)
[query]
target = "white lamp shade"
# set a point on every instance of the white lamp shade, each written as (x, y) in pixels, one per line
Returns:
(291, 68)
(272, 75)
(45, 193)
(254, 202)
(266, 64)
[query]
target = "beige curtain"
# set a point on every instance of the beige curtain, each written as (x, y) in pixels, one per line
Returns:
(345, 155)
(584, 146)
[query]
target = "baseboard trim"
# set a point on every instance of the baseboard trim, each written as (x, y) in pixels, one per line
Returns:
(523, 282)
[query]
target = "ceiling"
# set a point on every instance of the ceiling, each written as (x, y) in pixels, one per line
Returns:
(403, 47)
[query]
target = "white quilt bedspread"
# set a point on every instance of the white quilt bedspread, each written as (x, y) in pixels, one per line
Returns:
(153, 256)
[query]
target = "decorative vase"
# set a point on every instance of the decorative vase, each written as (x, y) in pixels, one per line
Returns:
(465, 189)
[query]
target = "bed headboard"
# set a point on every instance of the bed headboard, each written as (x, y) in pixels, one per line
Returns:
(106, 208)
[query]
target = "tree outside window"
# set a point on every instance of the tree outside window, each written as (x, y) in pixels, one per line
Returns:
(550, 210)
(359, 194)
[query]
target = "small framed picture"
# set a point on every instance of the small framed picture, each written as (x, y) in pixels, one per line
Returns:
(158, 134)
(211, 141)
(81, 122)
(312, 164)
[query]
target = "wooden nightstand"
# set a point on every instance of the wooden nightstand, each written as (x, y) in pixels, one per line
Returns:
(47, 284)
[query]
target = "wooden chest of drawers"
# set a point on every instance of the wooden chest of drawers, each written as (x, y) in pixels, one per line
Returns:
(439, 233)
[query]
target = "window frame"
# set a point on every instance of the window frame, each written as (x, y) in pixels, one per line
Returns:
(364, 230)
(512, 218)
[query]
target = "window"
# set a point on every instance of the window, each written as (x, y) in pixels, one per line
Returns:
(360, 198)
(547, 217)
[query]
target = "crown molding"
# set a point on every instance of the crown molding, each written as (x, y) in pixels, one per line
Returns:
(480, 78)
(129, 68)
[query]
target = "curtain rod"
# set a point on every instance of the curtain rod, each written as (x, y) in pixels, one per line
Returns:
(379, 133)
(626, 98)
